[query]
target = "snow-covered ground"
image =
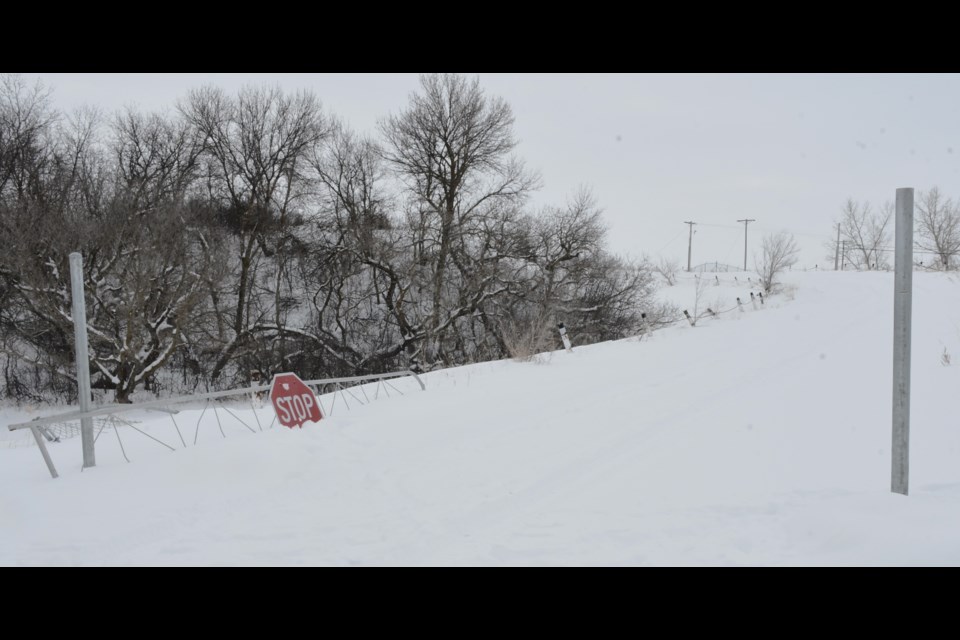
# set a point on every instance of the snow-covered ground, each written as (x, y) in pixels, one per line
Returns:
(759, 437)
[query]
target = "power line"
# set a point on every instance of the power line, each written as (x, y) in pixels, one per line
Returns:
(762, 228)
(669, 242)
(822, 236)
(730, 250)
(798, 233)
(889, 249)
(720, 226)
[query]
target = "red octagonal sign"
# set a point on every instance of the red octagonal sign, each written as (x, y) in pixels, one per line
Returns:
(293, 401)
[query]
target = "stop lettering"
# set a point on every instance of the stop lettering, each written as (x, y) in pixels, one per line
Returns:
(293, 401)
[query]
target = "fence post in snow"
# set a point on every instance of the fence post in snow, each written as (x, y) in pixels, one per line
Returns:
(902, 304)
(643, 325)
(689, 319)
(761, 297)
(753, 299)
(83, 359)
(739, 305)
(563, 336)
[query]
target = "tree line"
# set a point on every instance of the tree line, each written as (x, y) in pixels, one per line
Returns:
(865, 233)
(239, 235)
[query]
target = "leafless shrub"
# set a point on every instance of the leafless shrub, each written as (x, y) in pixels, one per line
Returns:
(864, 233)
(779, 252)
(699, 295)
(668, 268)
(527, 337)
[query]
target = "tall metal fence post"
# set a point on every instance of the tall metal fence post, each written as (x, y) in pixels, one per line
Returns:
(83, 359)
(902, 305)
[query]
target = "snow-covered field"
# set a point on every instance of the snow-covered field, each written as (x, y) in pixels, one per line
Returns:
(755, 438)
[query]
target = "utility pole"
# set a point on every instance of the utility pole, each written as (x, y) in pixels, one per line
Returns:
(690, 244)
(836, 258)
(843, 263)
(745, 223)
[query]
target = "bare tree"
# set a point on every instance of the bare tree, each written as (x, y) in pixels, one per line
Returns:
(256, 148)
(236, 237)
(564, 274)
(668, 268)
(938, 225)
(779, 251)
(358, 276)
(452, 147)
(143, 267)
(699, 294)
(27, 121)
(565, 238)
(157, 158)
(865, 233)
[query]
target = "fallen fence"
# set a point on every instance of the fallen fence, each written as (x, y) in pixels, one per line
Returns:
(42, 428)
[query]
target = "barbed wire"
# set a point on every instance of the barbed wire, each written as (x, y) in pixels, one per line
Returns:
(653, 325)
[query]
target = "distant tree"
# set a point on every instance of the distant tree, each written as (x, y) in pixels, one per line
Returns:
(938, 226)
(779, 252)
(865, 233)
(668, 268)
(833, 247)
(568, 276)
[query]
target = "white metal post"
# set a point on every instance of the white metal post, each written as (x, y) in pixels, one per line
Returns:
(563, 336)
(83, 359)
(43, 451)
(902, 304)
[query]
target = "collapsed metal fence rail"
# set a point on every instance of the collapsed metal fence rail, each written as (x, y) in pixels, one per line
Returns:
(52, 428)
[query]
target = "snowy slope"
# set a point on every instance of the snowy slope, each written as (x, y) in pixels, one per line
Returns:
(756, 438)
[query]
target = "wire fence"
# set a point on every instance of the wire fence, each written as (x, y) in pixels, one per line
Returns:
(715, 267)
(333, 395)
(339, 394)
(756, 302)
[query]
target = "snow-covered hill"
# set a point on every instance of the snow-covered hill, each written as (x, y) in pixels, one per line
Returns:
(760, 437)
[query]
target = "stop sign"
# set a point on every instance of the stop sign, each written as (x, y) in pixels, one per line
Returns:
(293, 401)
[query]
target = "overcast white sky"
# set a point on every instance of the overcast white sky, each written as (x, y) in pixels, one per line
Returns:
(657, 150)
